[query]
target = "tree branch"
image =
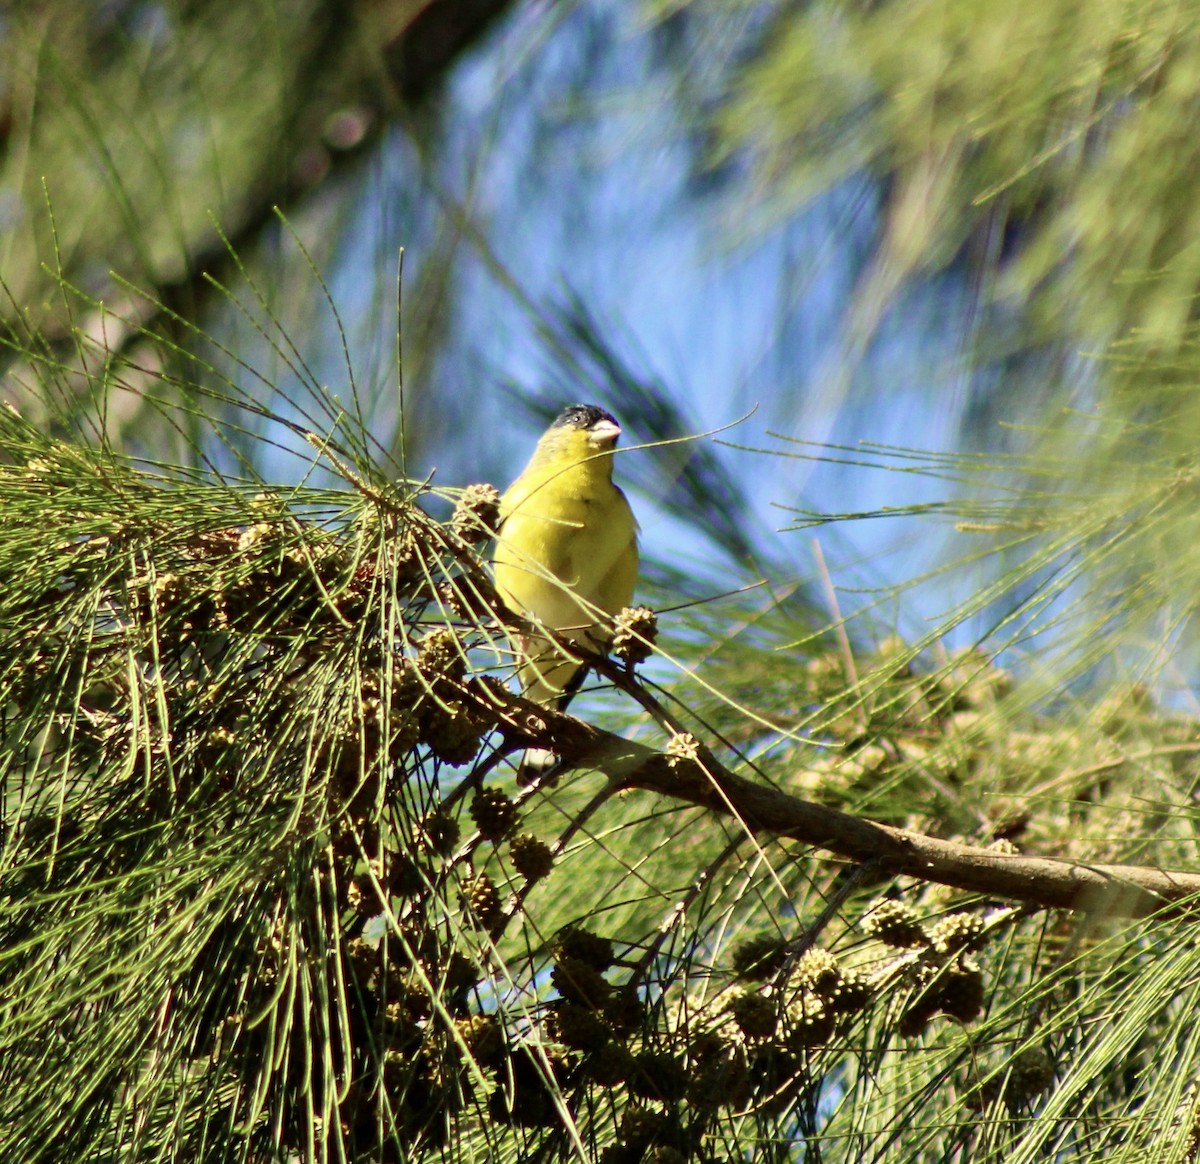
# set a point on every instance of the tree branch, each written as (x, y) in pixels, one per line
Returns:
(699, 778)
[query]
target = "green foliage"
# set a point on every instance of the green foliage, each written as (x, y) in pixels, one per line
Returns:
(268, 888)
(133, 193)
(202, 722)
(254, 904)
(1066, 124)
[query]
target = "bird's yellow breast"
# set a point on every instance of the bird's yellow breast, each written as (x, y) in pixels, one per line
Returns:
(568, 543)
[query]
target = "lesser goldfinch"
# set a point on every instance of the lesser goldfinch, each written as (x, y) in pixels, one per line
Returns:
(566, 555)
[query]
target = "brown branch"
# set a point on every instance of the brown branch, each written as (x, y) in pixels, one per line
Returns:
(700, 779)
(417, 43)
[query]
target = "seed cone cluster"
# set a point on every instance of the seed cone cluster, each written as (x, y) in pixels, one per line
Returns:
(936, 974)
(320, 687)
(477, 514)
(635, 630)
(309, 681)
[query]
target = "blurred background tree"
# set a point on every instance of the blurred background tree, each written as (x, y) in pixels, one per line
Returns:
(926, 269)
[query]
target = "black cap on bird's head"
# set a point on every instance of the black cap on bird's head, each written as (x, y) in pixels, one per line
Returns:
(601, 426)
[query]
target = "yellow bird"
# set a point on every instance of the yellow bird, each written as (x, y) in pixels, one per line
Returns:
(566, 556)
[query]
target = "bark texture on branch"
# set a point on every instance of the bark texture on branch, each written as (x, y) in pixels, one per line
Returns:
(1099, 889)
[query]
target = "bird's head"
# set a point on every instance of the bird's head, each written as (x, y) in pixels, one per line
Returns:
(599, 429)
(582, 432)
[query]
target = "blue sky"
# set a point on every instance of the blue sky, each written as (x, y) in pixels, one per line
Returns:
(566, 165)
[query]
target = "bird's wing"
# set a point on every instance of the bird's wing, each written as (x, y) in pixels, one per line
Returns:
(563, 554)
(614, 590)
(561, 557)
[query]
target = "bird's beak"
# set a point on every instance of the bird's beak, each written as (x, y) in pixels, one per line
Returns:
(604, 432)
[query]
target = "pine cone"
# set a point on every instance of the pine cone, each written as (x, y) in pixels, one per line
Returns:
(1032, 1072)
(658, 1075)
(578, 982)
(361, 896)
(610, 1065)
(634, 632)
(531, 858)
(682, 747)
(441, 656)
(459, 973)
(773, 1066)
(819, 971)
(578, 1027)
(810, 1022)
(916, 1018)
(895, 924)
(719, 1079)
(759, 958)
(755, 1015)
(574, 942)
(665, 1154)
(494, 814)
(640, 1125)
(485, 1039)
(530, 1102)
(477, 513)
(960, 989)
(483, 899)
(440, 832)
(451, 731)
(363, 959)
(957, 931)
(404, 877)
(851, 995)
